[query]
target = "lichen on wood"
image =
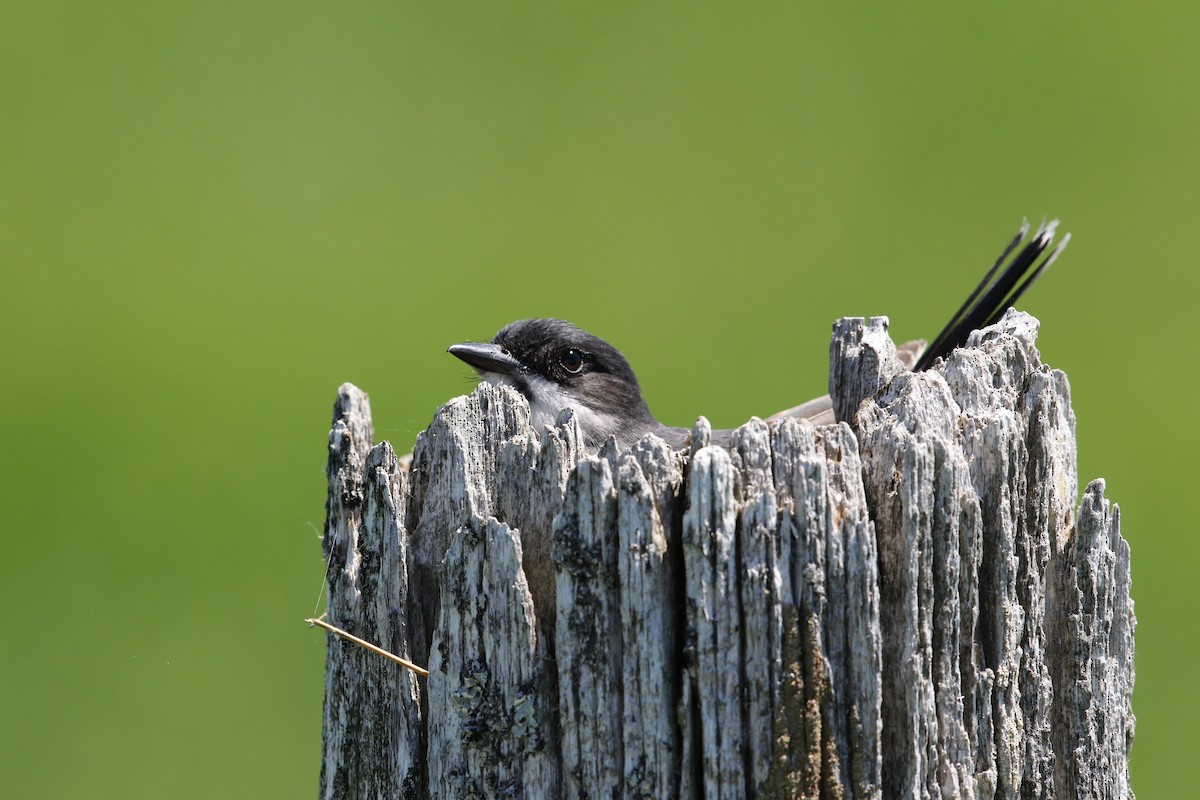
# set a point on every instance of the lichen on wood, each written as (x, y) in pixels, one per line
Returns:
(905, 604)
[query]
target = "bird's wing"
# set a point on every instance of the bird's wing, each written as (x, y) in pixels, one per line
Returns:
(819, 411)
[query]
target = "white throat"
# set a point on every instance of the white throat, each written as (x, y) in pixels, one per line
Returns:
(548, 399)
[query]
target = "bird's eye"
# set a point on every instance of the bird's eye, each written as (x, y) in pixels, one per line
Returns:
(572, 361)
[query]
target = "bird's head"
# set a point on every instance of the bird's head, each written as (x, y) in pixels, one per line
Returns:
(557, 365)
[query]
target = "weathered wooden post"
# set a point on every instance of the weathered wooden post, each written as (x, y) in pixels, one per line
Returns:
(905, 604)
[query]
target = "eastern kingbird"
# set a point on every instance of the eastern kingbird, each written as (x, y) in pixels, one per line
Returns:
(557, 365)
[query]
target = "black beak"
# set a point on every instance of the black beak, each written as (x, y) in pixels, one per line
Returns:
(486, 357)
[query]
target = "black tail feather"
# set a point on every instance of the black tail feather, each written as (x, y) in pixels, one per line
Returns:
(992, 298)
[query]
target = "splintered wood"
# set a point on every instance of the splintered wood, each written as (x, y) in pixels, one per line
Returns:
(905, 604)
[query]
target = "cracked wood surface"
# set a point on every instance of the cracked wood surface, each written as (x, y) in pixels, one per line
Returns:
(909, 603)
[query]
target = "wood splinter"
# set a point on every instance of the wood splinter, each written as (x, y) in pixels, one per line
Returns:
(424, 673)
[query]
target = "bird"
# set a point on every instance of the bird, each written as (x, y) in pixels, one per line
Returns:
(556, 365)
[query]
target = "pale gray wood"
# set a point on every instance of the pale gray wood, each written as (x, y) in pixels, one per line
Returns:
(899, 605)
(758, 594)
(783, 615)
(862, 358)
(924, 520)
(1091, 642)
(649, 483)
(589, 633)
(455, 467)
(714, 624)
(535, 466)
(973, 463)
(490, 728)
(809, 602)
(453, 479)
(372, 707)
(349, 444)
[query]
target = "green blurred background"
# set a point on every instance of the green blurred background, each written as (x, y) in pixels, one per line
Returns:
(211, 214)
